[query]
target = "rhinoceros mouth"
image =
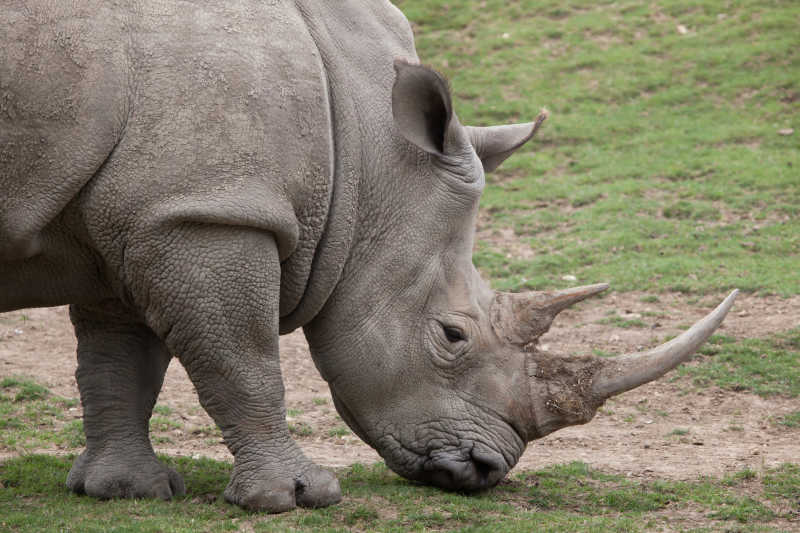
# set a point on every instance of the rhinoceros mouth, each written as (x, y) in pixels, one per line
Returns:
(469, 466)
(470, 469)
(449, 463)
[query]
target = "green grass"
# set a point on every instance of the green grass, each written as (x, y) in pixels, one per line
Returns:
(25, 389)
(769, 366)
(31, 417)
(560, 498)
(742, 475)
(622, 322)
(163, 410)
(160, 423)
(339, 431)
(783, 482)
(660, 168)
(300, 429)
(790, 420)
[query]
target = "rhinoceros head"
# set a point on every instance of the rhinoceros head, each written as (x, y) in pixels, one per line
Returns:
(426, 363)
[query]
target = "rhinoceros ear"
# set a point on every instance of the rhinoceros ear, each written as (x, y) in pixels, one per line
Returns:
(421, 105)
(495, 143)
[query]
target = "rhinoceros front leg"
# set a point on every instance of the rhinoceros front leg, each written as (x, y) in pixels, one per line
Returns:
(121, 365)
(212, 294)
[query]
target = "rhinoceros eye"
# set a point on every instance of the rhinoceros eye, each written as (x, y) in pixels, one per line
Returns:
(453, 334)
(448, 340)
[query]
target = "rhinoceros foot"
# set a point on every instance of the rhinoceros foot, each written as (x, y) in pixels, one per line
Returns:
(118, 475)
(271, 491)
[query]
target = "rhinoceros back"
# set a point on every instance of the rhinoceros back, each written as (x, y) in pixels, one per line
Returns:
(63, 104)
(242, 113)
(149, 114)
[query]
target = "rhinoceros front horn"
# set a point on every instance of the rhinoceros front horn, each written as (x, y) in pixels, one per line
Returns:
(626, 372)
(521, 318)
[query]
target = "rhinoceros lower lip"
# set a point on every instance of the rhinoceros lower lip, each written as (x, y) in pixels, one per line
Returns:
(466, 469)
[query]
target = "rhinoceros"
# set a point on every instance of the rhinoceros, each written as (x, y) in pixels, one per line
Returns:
(197, 178)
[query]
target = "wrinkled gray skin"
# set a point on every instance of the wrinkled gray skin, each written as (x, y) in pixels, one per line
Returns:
(195, 178)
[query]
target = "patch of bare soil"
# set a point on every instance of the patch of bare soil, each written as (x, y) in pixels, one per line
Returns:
(667, 429)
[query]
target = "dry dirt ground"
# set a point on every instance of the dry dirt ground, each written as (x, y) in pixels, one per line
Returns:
(719, 431)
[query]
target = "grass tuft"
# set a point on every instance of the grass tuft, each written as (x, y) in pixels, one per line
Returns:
(300, 429)
(790, 420)
(766, 367)
(24, 389)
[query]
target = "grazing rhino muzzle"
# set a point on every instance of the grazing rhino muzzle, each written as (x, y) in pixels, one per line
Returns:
(530, 393)
(196, 179)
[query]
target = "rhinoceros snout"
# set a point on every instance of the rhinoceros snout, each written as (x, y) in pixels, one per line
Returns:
(479, 470)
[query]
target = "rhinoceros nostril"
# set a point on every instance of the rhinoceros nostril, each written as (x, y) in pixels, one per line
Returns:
(478, 471)
(443, 477)
(489, 466)
(482, 471)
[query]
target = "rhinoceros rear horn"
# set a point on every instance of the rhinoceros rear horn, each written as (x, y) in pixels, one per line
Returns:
(421, 106)
(494, 144)
(522, 318)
